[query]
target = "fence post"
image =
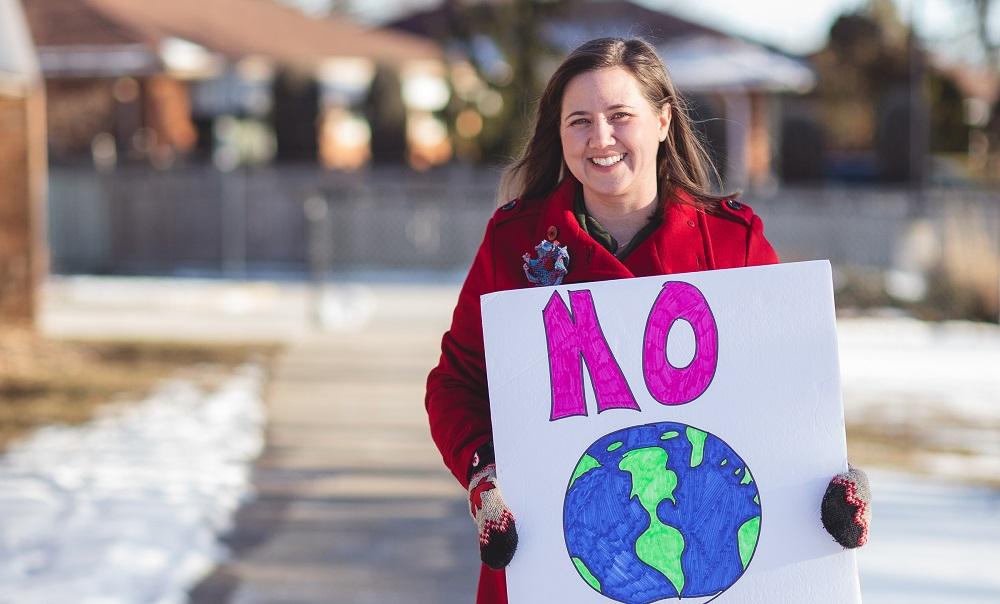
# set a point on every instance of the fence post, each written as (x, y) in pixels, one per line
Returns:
(320, 250)
(234, 222)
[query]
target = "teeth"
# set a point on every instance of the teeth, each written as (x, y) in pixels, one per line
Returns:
(607, 161)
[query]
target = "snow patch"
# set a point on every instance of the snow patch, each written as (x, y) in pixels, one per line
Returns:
(129, 507)
(931, 541)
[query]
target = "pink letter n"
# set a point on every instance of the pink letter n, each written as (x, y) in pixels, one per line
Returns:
(576, 337)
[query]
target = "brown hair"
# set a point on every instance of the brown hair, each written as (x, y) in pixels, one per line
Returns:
(681, 160)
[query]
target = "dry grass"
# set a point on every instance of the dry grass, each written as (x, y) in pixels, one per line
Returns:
(44, 381)
(915, 446)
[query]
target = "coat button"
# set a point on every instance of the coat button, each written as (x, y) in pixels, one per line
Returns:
(691, 223)
(734, 205)
(552, 233)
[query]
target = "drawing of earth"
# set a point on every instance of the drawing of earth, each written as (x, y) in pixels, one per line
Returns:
(661, 511)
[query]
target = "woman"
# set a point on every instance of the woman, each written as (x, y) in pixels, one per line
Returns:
(613, 184)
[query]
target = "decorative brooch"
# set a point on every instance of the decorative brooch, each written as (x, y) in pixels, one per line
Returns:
(552, 262)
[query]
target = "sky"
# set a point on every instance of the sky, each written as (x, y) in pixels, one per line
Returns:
(802, 27)
(796, 27)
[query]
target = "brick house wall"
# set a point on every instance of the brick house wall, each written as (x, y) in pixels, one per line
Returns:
(23, 253)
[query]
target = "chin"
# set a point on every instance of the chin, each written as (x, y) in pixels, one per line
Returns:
(609, 192)
(605, 188)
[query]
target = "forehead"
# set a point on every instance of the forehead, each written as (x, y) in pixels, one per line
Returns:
(595, 90)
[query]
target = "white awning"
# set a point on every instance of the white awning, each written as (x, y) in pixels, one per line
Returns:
(713, 64)
(98, 60)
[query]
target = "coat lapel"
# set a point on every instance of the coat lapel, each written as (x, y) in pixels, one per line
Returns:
(588, 260)
(675, 247)
(678, 246)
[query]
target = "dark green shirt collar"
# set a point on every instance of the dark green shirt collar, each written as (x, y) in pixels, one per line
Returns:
(598, 233)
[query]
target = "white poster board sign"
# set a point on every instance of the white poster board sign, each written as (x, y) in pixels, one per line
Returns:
(670, 436)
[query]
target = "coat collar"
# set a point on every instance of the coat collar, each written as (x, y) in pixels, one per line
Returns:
(677, 246)
(589, 261)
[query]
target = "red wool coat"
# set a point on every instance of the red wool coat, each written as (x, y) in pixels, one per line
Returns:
(687, 240)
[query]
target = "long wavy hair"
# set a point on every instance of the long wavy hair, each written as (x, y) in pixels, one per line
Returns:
(681, 161)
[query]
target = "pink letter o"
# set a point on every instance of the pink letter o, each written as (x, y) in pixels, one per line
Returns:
(668, 384)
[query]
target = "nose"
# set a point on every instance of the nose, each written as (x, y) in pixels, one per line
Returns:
(602, 135)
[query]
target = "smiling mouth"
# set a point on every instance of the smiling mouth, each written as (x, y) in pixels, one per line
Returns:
(608, 161)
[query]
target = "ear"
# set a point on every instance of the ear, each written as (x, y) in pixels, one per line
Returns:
(664, 120)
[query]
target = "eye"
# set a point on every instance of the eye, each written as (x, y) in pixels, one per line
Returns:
(579, 121)
(620, 115)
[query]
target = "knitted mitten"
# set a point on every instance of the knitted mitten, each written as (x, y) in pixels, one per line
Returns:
(497, 533)
(846, 508)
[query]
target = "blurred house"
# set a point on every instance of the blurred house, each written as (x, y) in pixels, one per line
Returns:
(887, 109)
(734, 86)
(22, 169)
(237, 81)
(976, 91)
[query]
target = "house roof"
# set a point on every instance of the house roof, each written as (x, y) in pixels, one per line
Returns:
(18, 65)
(698, 57)
(77, 23)
(593, 19)
(264, 27)
(621, 18)
(75, 38)
(234, 28)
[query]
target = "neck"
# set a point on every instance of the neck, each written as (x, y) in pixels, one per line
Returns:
(622, 220)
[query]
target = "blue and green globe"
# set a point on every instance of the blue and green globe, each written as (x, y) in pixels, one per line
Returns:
(661, 511)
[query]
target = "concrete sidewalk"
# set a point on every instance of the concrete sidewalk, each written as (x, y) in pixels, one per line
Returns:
(354, 504)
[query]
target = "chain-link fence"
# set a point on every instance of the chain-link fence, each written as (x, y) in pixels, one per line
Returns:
(887, 245)
(261, 221)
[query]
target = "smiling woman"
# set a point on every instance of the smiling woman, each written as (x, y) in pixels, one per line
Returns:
(608, 145)
(612, 184)
(620, 82)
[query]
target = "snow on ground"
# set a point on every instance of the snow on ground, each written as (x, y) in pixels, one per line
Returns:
(908, 366)
(128, 507)
(931, 542)
(936, 384)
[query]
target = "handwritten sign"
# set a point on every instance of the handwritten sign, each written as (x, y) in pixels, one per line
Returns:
(670, 437)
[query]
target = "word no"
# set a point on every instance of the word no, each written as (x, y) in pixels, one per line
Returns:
(574, 334)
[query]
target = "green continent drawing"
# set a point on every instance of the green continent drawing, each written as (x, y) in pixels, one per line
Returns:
(660, 545)
(585, 464)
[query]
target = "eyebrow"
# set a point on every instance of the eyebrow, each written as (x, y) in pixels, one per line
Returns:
(608, 108)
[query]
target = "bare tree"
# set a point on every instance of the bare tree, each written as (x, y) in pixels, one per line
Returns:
(514, 28)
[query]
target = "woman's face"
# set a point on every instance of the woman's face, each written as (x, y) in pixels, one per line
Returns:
(610, 134)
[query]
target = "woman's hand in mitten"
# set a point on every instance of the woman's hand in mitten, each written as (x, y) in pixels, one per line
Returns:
(497, 533)
(846, 508)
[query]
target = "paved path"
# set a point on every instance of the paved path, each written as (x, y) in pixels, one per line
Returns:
(354, 504)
